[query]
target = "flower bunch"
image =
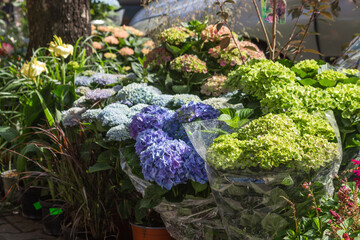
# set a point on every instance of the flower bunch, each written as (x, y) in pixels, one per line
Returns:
(157, 57)
(133, 31)
(33, 69)
(188, 64)
(211, 34)
(175, 35)
(72, 116)
(99, 94)
(126, 51)
(101, 79)
(214, 86)
(231, 55)
(276, 140)
(258, 76)
(59, 48)
(114, 114)
(137, 93)
(179, 100)
(331, 75)
(307, 66)
(118, 133)
(151, 117)
(166, 154)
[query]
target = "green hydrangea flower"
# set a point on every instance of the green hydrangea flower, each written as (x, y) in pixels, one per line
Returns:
(307, 65)
(175, 35)
(349, 71)
(330, 75)
(258, 76)
(295, 139)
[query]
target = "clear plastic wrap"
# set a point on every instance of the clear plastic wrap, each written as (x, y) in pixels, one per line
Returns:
(250, 201)
(190, 219)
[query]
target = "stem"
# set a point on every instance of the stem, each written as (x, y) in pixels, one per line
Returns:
(262, 25)
(292, 35)
(273, 46)
(231, 34)
(315, 10)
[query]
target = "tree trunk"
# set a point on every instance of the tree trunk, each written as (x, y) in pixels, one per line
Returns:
(68, 19)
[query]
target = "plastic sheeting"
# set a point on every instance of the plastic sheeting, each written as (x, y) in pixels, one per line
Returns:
(250, 201)
(190, 219)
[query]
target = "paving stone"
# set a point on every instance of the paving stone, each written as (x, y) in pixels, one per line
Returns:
(28, 236)
(8, 228)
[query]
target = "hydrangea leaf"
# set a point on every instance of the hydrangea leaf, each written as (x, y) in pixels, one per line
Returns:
(99, 166)
(327, 82)
(308, 81)
(181, 89)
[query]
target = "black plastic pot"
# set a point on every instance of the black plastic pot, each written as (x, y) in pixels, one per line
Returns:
(31, 207)
(52, 216)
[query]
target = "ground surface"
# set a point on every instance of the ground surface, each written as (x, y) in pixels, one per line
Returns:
(13, 226)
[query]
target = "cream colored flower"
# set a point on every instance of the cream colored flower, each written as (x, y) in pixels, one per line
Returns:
(33, 69)
(59, 48)
(134, 31)
(121, 33)
(110, 55)
(145, 51)
(97, 45)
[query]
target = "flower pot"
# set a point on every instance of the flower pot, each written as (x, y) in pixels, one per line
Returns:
(52, 216)
(31, 207)
(150, 233)
(10, 179)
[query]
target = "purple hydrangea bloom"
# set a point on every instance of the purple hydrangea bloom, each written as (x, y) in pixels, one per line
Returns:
(149, 137)
(164, 163)
(173, 127)
(83, 81)
(149, 117)
(195, 167)
(104, 79)
(194, 111)
(99, 94)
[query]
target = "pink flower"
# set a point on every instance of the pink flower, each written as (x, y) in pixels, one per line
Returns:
(355, 162)
(222, 62)
(6, 49)
(126, 51)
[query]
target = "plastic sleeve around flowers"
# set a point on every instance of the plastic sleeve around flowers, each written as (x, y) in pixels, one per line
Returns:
(250, 200)
(190, 219)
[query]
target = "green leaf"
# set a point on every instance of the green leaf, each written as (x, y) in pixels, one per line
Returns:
(153, 196)
(307, 81)
(181, 89)
(273, 223)
(198, 187)
(173, 50)
(99, 166)
(48, 115)
(8, 133)
(137, 69)
(327, 83)
(352, 80)
(224, 117)
(244, 113)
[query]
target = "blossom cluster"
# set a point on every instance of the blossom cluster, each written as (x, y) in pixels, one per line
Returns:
(211, 34)
(331, 75)
(167, 157)
(214, 86)
(236, 53)
(102, 79)
(296, 140)
(175, 35)
(258, 76)
(157, 57)
(99, 94)
(188, 64)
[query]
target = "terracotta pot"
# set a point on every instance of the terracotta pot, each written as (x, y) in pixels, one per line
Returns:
(150, 233)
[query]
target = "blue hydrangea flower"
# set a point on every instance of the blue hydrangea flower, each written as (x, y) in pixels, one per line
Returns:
(112, 116)
(81, 102)
(194, 111)
(104, 79)
(72, 116)
(120, 106)
(136, 109)
(195, 167)
(83, 81)
(90, 115)
(118, 133)
(99, 94)
(149, 117)
(183, 99)
(149, 137)
(173, 127)
(164, 163)
(137, 93)
(162, 100)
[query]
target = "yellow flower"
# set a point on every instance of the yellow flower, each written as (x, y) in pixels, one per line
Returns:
(59, 48)
(33, 69)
